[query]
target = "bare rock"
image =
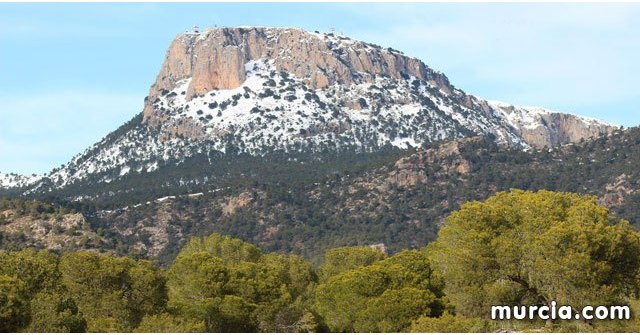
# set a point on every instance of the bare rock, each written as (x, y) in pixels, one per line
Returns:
(234, 203)
(617, 192)
(215, 59)
(543, 128)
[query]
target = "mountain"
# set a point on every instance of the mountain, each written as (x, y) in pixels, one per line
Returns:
(225, 92)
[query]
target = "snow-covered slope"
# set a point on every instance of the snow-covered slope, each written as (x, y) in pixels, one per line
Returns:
(529, 116)
(12, 180)
(540, 127)
(274, 109)
(298, 91)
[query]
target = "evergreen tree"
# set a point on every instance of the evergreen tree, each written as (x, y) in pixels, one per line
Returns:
(532, 248)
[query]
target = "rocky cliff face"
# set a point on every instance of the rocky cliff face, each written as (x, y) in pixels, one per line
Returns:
(216, 58)
(199, 65)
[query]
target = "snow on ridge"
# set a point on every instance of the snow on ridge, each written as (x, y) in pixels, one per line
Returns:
(528, 116)
(11, 180)
(272, 110)
(276, 110)
(287, 116)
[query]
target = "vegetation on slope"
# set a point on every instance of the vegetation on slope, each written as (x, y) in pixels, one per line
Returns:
(398, 201)
(528, 242)
(309, 205)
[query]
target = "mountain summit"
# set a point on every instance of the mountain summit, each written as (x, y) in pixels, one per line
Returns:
(308, 88)
(259, 90)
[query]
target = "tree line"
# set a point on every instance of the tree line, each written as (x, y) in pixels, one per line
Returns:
(515, 248)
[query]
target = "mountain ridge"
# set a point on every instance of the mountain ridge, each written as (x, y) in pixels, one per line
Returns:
(259, 90)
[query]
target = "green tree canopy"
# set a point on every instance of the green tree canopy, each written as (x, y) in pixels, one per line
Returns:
(38, 270)
(167, 323)
(533, 248)
(232, 286)
(449, 323)
(53, 312)
(338, 260)
(14, 304)
(113, 293)
(230, 250)
(382, 297)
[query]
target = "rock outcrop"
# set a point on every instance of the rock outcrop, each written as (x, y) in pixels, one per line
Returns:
(544, 128)
(64, 232)
(617, 192)
(409, 171)
(216, 58)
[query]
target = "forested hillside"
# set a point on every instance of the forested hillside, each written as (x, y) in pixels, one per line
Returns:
(221, 284)
(400, 202)
(306, 206)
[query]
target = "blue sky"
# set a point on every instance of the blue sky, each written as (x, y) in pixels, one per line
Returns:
(71, 73)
